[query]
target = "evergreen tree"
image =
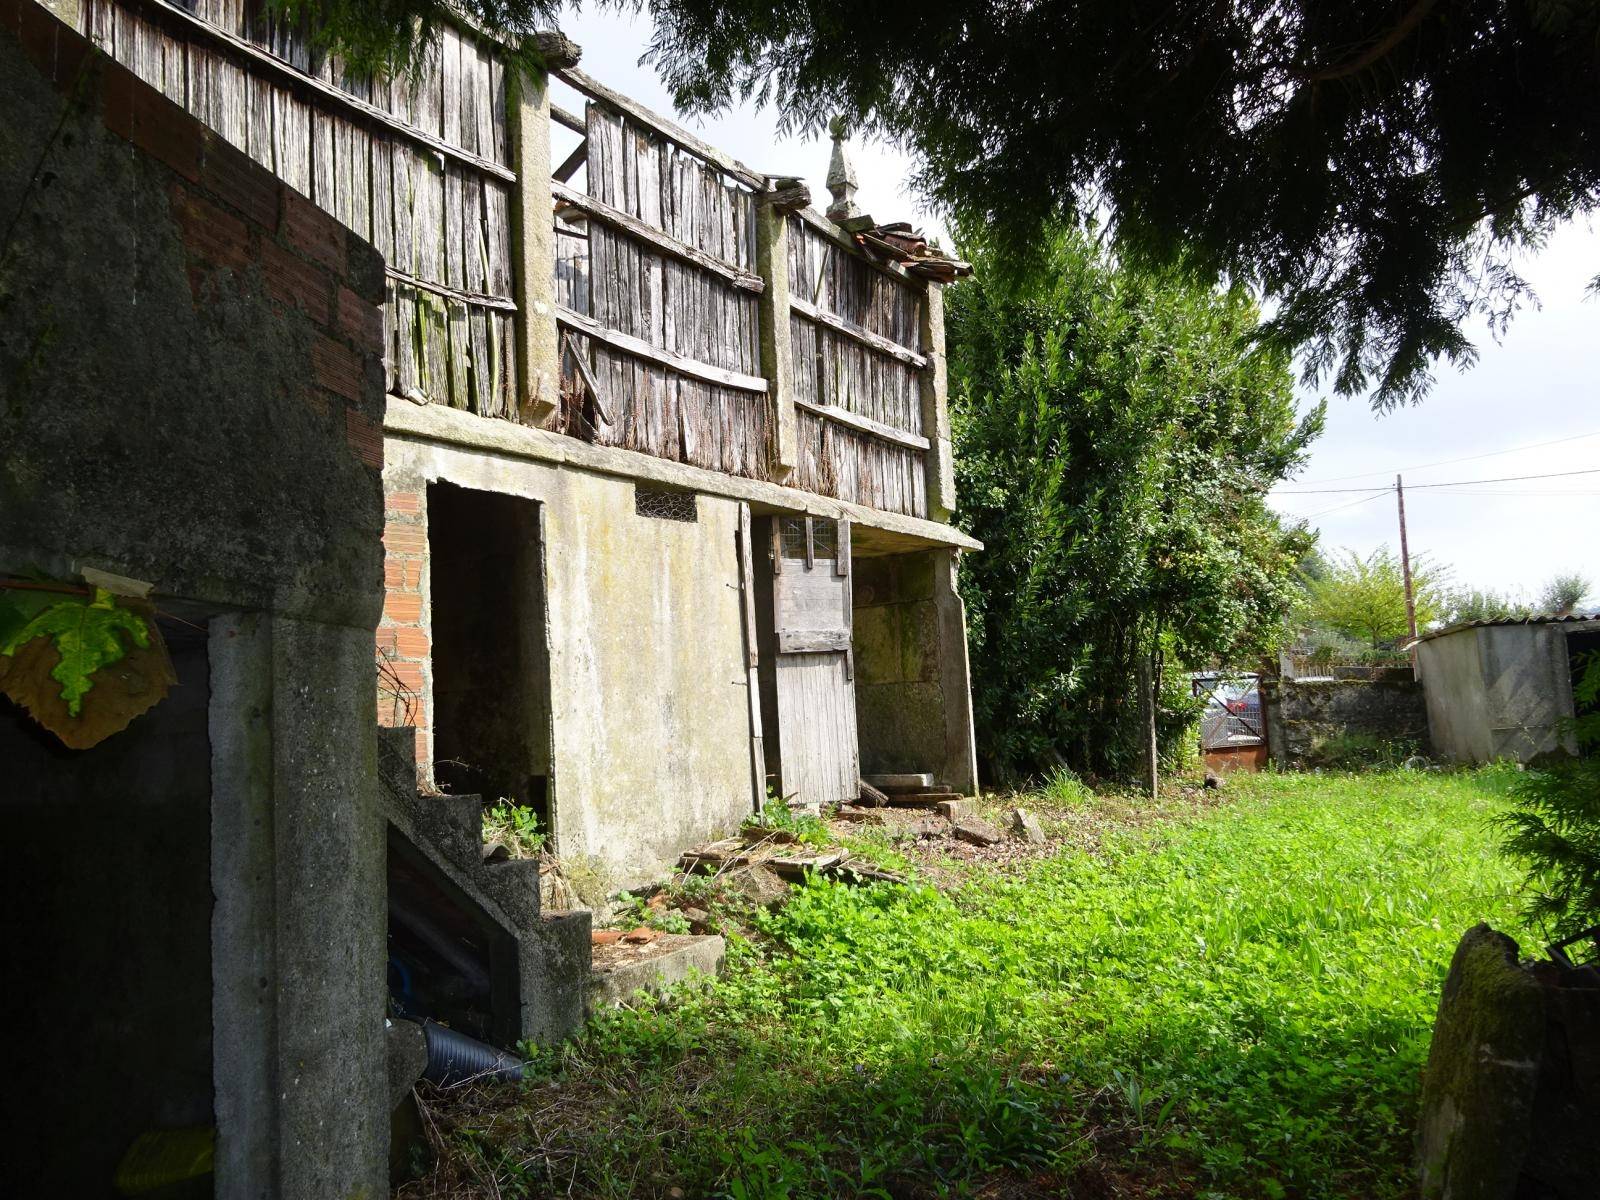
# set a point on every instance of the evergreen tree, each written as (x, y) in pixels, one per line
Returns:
(1116, 431)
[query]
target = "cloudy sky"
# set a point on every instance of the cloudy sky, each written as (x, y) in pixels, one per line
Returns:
(1530, 407)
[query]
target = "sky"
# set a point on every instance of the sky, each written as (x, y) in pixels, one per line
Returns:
(1531, 406)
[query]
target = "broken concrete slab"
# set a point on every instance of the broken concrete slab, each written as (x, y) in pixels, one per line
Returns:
(622, 971)
(959, 809)
(795, 866)
(1026, 826)
(977, 831)
(893, 784)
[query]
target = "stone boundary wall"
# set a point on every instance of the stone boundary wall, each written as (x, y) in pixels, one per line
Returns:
(1303, 714)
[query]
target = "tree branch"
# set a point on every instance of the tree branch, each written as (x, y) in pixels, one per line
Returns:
(1379, 48)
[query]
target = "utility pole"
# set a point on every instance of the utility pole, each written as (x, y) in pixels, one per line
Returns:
(1405, 569)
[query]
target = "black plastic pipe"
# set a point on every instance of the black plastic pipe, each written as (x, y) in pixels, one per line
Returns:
(455, 1058)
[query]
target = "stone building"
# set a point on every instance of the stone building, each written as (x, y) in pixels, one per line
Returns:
(624, 472)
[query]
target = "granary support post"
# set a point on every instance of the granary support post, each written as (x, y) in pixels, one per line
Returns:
(938, 462)
(772, 262)
(533, 250)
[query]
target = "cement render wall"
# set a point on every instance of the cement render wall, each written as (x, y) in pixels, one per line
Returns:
(651, 724)
(191, 395)
(1500, 691)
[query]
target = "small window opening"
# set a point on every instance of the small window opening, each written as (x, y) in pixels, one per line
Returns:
(665, 505)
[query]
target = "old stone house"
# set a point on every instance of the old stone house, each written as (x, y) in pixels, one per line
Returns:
(666, 455)
(660, 463)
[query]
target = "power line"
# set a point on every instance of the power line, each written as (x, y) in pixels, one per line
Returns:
(1347, 504)
(1446, 484)
(1446, 462)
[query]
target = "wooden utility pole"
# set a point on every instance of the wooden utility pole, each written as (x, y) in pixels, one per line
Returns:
(1405, 570)
(1146, 682)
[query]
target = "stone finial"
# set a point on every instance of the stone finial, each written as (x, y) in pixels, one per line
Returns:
(842, 180)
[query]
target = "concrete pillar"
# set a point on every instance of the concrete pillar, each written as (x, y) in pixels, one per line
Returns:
(955, 676)
(938, 462)
(772, 262)
(533, 248)
(298, 928)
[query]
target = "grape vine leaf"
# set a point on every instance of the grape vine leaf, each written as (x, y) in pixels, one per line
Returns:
(87, 635)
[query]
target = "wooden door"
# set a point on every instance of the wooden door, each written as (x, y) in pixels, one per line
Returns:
(813, 672)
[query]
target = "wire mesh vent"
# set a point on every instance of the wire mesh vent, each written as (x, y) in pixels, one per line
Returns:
(665, 505)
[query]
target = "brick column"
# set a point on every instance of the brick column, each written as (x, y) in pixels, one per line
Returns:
(404, 643)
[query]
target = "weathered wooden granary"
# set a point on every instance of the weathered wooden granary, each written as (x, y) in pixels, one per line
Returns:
(666, 458)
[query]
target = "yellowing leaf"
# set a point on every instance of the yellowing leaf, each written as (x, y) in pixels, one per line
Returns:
(87, 635)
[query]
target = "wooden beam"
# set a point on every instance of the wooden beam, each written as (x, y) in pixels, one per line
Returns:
(650, 235)
(640, 348)
(571, 120)
(866, 337)
(480, 299)
(812, 641)
(272, 65)
(588, 378)
(671, 130)
(843, 416)
(569, 166)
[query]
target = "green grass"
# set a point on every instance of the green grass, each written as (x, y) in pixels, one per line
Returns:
(1234, 1001)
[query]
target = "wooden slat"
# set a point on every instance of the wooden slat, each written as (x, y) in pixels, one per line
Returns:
(832, 412)
(665, 242)
(671, 130)
(640, 348)
(866, 337)
(280, 69)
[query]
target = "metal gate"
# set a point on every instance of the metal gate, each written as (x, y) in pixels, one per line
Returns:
(1232, 716)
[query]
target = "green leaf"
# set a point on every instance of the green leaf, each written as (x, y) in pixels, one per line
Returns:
(85, 633)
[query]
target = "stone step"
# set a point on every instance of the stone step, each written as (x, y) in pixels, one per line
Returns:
(514, 886)
(622, 969)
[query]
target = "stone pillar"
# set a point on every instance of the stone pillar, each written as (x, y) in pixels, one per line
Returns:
(938, 462)
(533, 248)
(297, 931)
(955, 676)
(772, 263)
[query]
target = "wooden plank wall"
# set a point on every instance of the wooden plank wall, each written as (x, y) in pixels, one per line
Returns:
(834, 370)
(673, 305)
(439, 221)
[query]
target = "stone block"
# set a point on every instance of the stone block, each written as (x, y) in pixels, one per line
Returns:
(1026, 826)
(959, 809)
(978, 832)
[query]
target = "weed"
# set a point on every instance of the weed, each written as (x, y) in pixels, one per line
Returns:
(1235, 1001)
(515, 827)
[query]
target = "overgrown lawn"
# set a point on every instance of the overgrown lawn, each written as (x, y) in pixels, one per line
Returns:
(1234, 1001)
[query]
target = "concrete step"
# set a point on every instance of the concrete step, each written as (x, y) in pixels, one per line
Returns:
(620, 970)
(514, 886)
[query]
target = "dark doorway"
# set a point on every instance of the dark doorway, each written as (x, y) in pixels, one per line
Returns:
(491, 673)
(108, 896)
(1582, 650)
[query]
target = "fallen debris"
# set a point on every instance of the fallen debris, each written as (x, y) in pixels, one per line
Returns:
(1026, 826)
(871, 796)
(977, 831)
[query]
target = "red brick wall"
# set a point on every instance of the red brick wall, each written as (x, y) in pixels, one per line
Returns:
(241, 226)
(403, 641)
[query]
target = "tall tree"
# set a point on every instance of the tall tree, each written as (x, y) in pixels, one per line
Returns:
(1369, 163)
(1365, 598)
(1116, 430)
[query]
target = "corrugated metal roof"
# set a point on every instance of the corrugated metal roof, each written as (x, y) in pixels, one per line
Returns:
(1532, 619)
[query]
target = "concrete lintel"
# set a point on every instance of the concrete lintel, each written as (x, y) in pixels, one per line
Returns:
(453, 427)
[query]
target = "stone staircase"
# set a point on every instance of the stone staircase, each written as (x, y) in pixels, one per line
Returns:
(480, 918)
